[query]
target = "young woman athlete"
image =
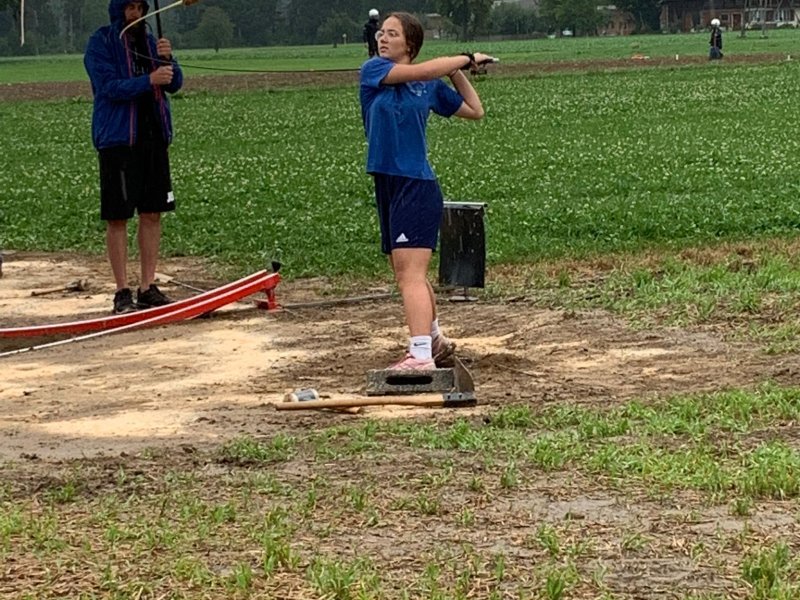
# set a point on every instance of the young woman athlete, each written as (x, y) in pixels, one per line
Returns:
(396, 98)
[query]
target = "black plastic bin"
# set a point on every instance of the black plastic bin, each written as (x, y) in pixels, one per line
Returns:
(462, 249)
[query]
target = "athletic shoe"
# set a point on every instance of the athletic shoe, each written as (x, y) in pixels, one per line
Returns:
(123, 302)
(151, 297)
(409, 363)
(443, 349)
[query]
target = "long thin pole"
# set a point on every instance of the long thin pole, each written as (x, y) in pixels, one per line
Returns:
(156, 13)
(158, 20)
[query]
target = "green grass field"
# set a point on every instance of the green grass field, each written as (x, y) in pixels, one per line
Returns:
(431, 510)
(568, 164)
(668, 196)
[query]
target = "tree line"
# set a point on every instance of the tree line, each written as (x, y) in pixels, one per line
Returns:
(59, 26)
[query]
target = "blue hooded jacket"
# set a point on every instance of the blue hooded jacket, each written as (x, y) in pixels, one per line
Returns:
(109, 63)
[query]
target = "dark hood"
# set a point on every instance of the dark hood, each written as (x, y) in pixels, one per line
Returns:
(116, 10)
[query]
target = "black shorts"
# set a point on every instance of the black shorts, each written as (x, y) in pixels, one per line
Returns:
(135, 178)
(409, 211)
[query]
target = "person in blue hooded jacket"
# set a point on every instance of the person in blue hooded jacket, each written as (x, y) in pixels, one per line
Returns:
(131, 74)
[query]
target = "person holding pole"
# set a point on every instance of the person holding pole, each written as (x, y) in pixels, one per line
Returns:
(396, 99)
(131, 74)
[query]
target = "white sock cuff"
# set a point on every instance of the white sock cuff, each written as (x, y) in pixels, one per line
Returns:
(419, 346)
(435, 328)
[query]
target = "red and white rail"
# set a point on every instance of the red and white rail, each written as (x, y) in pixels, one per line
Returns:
(262, 281)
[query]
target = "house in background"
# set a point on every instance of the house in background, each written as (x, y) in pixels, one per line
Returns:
(433, 24)
(693, 15)
(616, 21)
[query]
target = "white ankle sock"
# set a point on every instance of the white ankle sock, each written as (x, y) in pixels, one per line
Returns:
(419, 346)
(435, 331)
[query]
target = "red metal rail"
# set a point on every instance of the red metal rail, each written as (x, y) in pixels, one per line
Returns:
(266, 283)
(183, 309)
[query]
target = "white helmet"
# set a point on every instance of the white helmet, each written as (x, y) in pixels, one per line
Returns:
(373, 13)
(715, 22)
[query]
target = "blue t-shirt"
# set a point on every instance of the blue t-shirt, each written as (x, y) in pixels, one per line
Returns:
(395, 118)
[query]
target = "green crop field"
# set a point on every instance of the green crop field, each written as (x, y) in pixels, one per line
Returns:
(568, 164)
(658, 206)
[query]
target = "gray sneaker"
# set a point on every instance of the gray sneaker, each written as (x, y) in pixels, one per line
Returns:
(123, 302)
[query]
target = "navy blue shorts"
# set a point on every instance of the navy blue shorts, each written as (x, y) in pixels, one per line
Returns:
(409, 212)
(135, 178)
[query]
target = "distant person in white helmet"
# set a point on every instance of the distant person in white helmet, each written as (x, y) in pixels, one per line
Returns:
(370, 29)
(715, 44)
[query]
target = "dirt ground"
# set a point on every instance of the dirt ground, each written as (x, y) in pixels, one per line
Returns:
(206, 381)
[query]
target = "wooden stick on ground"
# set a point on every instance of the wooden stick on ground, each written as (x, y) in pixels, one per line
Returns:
(78, 285)
(440, 401)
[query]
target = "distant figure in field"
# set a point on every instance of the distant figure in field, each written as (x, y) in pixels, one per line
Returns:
(715, 43)
(370, 29)
(131, 75)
